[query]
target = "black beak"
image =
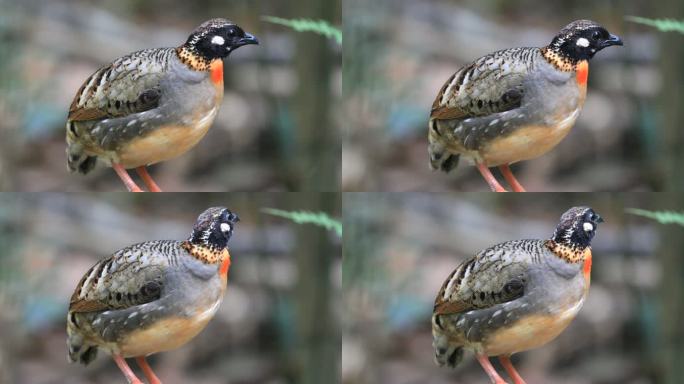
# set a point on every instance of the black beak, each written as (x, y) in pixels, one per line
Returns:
(233, 218)
(612, 40)
(599, 219)
(248, 39)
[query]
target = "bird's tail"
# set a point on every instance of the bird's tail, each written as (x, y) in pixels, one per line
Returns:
(77, 159)
(446, 351)
(440, 157)
(450, 356)
(79, 350)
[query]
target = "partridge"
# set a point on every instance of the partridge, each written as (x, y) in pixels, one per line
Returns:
(151, 297)
(151, 105)
(515, 296)
(515, 104)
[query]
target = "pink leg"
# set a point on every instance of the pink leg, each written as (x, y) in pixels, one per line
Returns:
(126, 178)
(147, 179)
(491, 180)
(130, 376)
(508, 175)
(147, 370)
(506, 362)
(491, 372)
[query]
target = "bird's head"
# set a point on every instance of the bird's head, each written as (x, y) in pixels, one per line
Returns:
(214, 227)
(577, 227)
(581, 39)
(217, 38)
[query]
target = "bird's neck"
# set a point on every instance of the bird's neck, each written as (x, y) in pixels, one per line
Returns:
(190, 57)
(207, 253)
(561, 61)
(569, 252)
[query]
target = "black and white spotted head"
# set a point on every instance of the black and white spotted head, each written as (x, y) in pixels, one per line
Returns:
(214, 227)
(581, 39)
(577, 227)
(217, 38)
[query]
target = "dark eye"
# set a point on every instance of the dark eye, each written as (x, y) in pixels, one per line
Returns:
(231, 32)
(596, 35)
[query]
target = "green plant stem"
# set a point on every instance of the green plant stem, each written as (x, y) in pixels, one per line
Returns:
(321, 27)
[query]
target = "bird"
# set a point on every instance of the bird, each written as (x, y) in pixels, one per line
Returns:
(515, 296)
(151, 297)
(515, 104)
(151, 105)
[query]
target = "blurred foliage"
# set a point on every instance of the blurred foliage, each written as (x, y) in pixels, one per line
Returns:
(663, 25)
(663, 217)
(304, 25)
(320, 219)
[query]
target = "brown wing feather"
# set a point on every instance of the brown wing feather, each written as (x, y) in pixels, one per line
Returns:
(446, 113)
(80, 114)
(477, 284)
(440, 112)
(88, 306)
(447, 307)
(491, 84)
(452, 304)
(132, 283)
(129, 85)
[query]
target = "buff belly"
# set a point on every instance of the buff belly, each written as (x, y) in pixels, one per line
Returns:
(165, 334)
(529, 331)
(526, 142)
(164, 143)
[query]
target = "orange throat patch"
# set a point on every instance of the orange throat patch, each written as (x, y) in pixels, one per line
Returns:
(582, 71)
(210, 255)
(216, 71)
(586, 268)
(225, 266)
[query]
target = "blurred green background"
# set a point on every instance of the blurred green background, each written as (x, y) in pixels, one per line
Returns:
(399, 53)
(276, 129)
(277, 323)
(399, 249)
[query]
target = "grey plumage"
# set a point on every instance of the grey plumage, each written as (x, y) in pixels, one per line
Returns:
(488, 297)
(133, 302)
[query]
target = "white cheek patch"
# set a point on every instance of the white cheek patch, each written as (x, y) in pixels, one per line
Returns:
(588, 227)
(582, 42)
(218, 40)
(225, 227)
